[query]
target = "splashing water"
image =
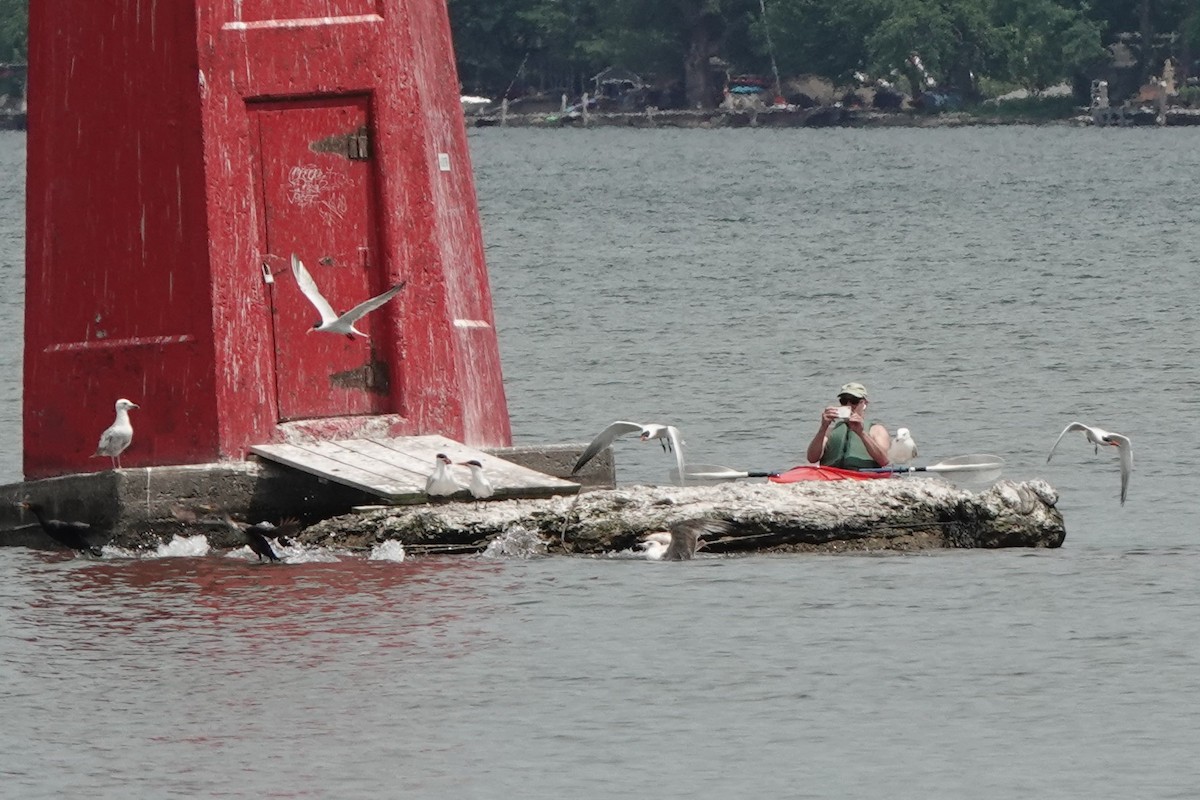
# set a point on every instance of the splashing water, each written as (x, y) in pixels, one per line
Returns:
(516, 542)
(390, 550)
(182, 547)
(289, 554)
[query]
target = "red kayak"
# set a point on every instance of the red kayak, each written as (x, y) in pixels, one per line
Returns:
(809, 473)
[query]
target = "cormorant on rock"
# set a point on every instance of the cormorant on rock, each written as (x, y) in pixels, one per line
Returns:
(74, 535)
(256, 536)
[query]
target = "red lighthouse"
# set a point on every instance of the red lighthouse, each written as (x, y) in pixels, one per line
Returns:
(178, 155)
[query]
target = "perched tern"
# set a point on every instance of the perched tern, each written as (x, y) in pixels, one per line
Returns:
(74, 535)
(1098, 437)
(117, 436)
(903, 449)
(330, 321)
(481, 487)
(667, 436)
(681, 541)
(441, 482)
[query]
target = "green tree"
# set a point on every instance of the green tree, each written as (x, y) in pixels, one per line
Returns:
(14, 30)
(821, 37)
(955, 40)
(679, 37)
(492, 41)
(1046, 42)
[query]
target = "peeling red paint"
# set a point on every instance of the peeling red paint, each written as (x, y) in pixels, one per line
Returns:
(161, 218)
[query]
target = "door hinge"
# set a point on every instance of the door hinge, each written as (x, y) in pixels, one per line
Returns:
(358, 147)
(355, 145)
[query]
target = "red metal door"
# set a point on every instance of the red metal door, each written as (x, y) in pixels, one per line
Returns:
(318, 201)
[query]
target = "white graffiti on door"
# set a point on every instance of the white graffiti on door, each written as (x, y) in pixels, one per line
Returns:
(309, 185)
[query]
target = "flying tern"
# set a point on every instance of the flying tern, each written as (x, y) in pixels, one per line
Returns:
(667, 436)
(1098, 437)
(330, 321)
(117, 436)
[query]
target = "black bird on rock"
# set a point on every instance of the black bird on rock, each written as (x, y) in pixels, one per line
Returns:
(77, 536)
(256, 536)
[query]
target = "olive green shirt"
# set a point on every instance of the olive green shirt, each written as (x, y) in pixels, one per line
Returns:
(845, 449)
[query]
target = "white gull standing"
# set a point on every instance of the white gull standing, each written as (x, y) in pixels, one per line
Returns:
(117, 436)
(1099, 436)
(441, 482)
(331, 322)
(903, 449)
(667, 436)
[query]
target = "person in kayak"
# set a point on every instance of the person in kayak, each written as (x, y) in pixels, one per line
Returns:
(850, 442)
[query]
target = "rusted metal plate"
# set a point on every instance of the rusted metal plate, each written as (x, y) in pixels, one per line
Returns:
(396, 468)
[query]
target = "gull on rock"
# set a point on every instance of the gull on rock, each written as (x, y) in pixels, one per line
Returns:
(330, 321)
(903, 449)
(481, 488)
(682, 539)
(117, 436)
(1098, 437)
(441, 482)
(667, 436)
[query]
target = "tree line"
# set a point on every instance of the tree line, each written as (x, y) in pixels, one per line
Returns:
(508, 46)
(511, 46)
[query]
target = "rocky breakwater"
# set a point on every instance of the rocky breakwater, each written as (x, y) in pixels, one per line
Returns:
(900, 514)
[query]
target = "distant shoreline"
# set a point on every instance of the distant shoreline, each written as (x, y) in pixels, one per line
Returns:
(816, 117)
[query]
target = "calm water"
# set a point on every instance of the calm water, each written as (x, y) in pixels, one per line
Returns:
(989, 286)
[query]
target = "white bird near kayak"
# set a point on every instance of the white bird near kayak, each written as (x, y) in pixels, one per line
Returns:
(331, 322)
(481, 488)
(682, 539)
(667, 436)
(903, 449)
(1098, 437)
(441, 482)
(117, 436)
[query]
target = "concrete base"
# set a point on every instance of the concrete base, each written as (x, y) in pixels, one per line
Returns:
(143, 507)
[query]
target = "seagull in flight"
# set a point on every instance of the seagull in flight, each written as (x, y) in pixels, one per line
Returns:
(667, 436)
(330, 321)
(903, 449)
(441, 482)
(117, 436)
(481, 488)
(1098, 437)
(681, 541)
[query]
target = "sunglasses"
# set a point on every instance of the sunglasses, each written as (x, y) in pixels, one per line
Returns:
(849, 400)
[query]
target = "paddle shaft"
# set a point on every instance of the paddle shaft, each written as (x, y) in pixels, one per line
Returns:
(937, 468)
(972, 463)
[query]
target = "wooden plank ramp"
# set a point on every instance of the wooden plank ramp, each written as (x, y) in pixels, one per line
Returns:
(395, 469)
